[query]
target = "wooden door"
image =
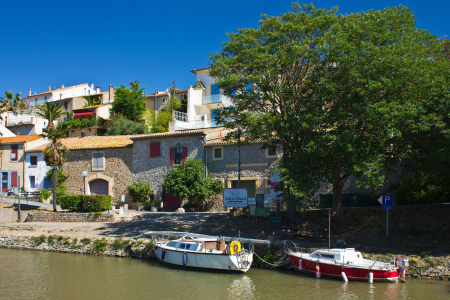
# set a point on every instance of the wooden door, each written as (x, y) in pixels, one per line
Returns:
(4, 182)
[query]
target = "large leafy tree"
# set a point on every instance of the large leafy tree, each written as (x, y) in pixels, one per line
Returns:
(342, 94)
(129, 102)
(123, 126)
(188, 181)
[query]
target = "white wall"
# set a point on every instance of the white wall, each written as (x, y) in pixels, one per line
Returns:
(207, 80)
(38, 171)
(103, 111)
(6, 132)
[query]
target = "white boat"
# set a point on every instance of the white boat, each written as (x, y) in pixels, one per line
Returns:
(198, 251)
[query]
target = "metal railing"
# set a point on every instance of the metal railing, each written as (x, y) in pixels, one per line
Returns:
(18, 120)
(180, 116)
(213, 99)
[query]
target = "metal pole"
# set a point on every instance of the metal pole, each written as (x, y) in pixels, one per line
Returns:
(387, 222)
(329, 228)
(239, 157)
(18, 181)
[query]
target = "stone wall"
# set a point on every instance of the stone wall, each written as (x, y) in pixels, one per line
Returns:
(255, 165)
(68, 217)
(117, 171)
(153, 169)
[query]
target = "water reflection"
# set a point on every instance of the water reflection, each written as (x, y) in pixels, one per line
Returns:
(45, 275)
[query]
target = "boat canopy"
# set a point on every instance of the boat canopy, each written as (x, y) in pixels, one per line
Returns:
(204, 237)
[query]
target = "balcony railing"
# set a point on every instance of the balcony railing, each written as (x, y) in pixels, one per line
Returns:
(19, 119)
(211, 99)
(180, 116)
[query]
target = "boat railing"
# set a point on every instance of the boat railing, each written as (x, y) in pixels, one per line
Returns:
(290, 246)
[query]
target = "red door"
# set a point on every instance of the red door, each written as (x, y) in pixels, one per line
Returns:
(171, 202)
(4, 182)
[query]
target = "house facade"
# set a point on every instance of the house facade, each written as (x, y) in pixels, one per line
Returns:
(24, 123)
(35, 171)
(91, 113)
(12, 159)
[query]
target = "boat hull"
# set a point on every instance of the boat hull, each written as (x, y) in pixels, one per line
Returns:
(335, 270)
(205, 261)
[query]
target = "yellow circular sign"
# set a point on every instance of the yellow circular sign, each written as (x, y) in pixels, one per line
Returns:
(235, 247)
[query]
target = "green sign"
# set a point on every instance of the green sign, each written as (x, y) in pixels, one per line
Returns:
(275, 221)
(262, 211)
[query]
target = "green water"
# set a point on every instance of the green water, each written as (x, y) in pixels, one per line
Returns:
(26, 274)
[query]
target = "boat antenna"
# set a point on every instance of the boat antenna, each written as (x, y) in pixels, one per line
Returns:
(259, 235)
(329, 228)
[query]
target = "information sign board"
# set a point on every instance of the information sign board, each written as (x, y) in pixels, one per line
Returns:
(262, 211)
(275, 221)
(251, 201)
(275, 179)
(235, 197)
(386, 201)
(268, 201)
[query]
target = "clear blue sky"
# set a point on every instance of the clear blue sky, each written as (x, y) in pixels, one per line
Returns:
(155, 42)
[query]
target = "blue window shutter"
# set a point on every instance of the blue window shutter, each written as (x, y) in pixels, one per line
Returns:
(215, 90)
(100, 160)
(95, 160)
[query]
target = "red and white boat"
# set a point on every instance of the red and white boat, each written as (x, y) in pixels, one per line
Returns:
(347, 264)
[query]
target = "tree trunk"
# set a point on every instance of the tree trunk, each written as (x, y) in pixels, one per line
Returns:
(54, 181)
(337, 212)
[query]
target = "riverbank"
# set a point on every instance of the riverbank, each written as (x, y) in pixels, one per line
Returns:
(142, 248)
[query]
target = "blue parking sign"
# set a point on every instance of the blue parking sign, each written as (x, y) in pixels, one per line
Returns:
(387, 201)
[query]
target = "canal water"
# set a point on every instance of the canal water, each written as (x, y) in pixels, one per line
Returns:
(27, 274)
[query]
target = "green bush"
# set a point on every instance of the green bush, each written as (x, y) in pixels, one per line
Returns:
(140, 190)
(85, 241)
(100, 245)
(414, 190)
(37, 240)
(91, 203)
(51, 239)
(45, 193)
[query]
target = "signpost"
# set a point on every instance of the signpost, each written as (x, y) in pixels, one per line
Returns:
(275, 221)
(235, 197)
(386, 201)
(262, 211)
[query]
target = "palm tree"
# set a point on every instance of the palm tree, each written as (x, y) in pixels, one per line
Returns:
(55, 153)
(51, 112)
(9, 101)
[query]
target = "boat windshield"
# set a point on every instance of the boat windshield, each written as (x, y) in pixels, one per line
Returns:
(183, 246)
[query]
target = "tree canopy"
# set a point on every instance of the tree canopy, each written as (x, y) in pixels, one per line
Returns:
(123, 126)
(160, 120)
(343, 94)
(12, 102)
(188, 181)
(129, 101)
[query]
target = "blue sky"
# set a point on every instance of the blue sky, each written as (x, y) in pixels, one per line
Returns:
(155, 42)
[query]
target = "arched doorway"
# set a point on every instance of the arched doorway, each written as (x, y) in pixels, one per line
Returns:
(98, 187)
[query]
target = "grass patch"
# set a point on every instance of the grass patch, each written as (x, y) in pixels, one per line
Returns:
(85, 241)
(37, 240)
(100, 245)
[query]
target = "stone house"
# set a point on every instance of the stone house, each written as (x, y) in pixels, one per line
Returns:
(154, 154)
(222, 162)
(12, 158)
(107, 161)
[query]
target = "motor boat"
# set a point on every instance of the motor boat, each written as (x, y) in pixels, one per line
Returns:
(197, 251)
(347, 264)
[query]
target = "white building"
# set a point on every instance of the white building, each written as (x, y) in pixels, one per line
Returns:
(205, 100)
(35, 171)
(23, 123)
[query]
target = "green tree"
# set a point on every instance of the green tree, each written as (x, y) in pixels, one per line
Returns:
(161, 119)
(188, 181)
(92, 100)
(12, 102)
(129, 102)
(51, 112)
(124, 126)
(140, 190)
(55, 153)
(343, 94)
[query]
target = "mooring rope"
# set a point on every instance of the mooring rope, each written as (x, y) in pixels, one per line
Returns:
(264, 260)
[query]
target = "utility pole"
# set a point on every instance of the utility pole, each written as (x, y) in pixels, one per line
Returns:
(18, 180)
(239, 158)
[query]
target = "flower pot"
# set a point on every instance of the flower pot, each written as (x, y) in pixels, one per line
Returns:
(139, 207)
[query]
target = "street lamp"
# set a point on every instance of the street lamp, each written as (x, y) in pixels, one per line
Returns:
(84, 174)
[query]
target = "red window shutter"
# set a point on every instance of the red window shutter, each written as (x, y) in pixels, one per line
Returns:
(155, 150)
(13, 179)
(171, 157)
(15, 150)
(184, 154)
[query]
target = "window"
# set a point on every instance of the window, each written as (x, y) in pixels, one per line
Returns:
(33, 160)
(66, 105)
(215, 90)
(32, 182)
(14, 179)
(98, 161)
(14, 152)
(178, 155)
(155, 149)
(45, 98)
(272, 152)
(249, 88)
(83, 134)
(217, 153)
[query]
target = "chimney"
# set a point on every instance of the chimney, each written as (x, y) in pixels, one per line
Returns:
(49, 88)
(62, 85)
(29, 92)
(111, 93)
(99, 90)
(92, 86)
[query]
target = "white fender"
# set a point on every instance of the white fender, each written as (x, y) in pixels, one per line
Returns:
(300, 264)
(344, 277)
(317, 271)
(370, 277)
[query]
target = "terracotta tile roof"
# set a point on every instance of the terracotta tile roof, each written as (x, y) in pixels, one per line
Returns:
(169, 134)
(19, 139)
(59, 90)
(200, 69)
(92, 142)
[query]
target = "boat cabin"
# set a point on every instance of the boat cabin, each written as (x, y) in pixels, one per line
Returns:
(338, 255)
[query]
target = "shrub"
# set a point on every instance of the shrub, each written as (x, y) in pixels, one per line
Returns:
(51, 239)
(37, 240)
(85, 241)
(140, 190)
(59, 238)
(45, 193)
(119, 244)
(100, 245)
(91, 203)
(149, 248)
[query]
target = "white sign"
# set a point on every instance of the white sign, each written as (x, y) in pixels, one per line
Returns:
(235, 198)
(123, 198)
(274, 181)
(251, 201)
(268, 200)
